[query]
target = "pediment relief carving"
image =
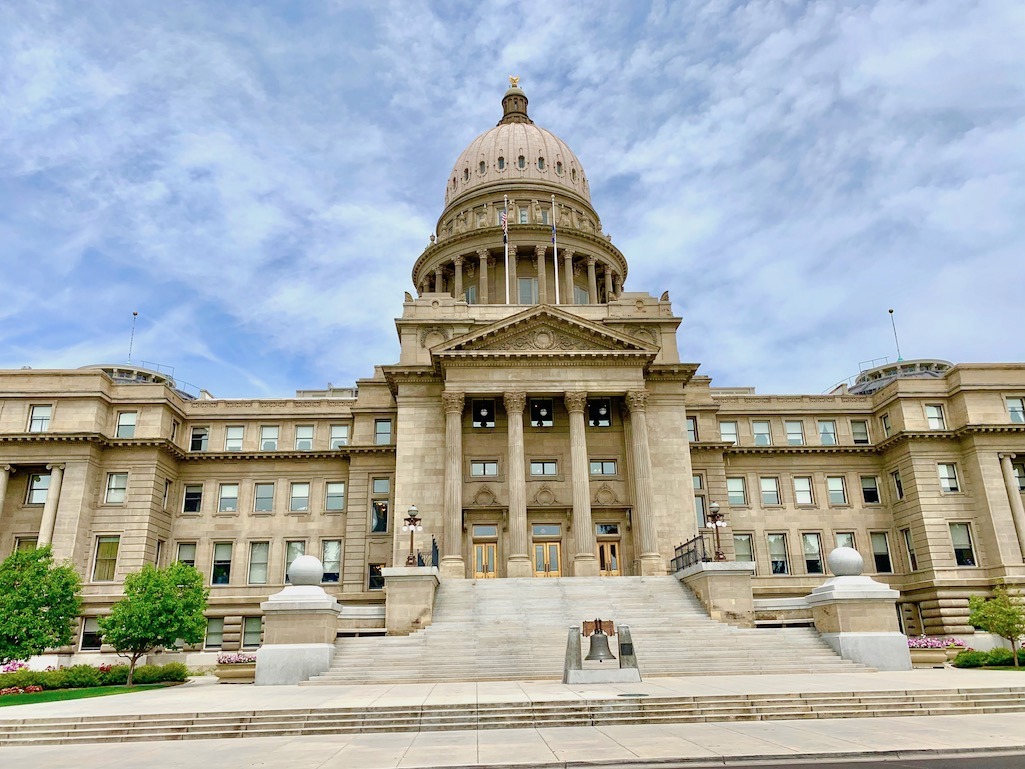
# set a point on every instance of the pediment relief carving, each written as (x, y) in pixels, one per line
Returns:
(484, 497)
(545, 496)
(605, 495)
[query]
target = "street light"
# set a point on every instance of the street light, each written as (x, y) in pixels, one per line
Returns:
(412, 525)
(715, 521)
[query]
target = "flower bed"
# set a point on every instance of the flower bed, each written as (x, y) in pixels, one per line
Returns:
(17, 678)
(238, 668)
(239, 658)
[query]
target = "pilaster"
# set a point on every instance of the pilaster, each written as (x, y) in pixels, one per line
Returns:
(585, 563)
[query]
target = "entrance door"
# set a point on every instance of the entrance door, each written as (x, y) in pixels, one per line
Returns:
(608, 558)
(547, 559)
(484, 560)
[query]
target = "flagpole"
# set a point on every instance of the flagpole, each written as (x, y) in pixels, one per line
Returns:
(555, 247)
(505, 238)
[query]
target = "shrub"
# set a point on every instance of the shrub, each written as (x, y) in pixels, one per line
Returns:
(1000, 657)
(970, 659)
(174, 672)
(85, 676)
(113, 675)
(81, 677)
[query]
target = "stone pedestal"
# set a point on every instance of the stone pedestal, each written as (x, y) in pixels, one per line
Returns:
(724, 589)
(409, 598)
(519, 566)
(857, 616)
(300, 625)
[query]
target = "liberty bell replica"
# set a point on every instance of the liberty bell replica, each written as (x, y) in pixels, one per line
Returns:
(599, 644)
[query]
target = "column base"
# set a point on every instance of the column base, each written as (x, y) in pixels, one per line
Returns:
(452, 567)
(652, 565)
(585, 565)
(519, 566)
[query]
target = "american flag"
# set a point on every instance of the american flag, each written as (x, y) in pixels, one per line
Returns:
(505, 226)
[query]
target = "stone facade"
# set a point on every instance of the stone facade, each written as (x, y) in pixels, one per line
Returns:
(557, 435)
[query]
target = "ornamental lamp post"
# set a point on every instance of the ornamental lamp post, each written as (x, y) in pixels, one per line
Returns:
(411, 523)
(715, 521)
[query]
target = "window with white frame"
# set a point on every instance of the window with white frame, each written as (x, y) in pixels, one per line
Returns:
(881, 552)
(39, 418)
(105, 560)
(269, 437)
(483, 468)
(1019, 474)
(802, 491)
(827, 432)
(38, 486)
(293, 549)
(743, 547)
(331, 557)
(126, 424)
(909, 548)
(898, 484)
(728, 432)
(698, 481)
(339, 436)
(299, 497)
(470, 294)
(227, 498)
(167, 494)
(761, 432)
(812, 553)
(795, 432)
(187, 553)
(117, 488)
(200, 439)
(948, 477)
(934, 415)
(380, 505)
(304, 437)
(263, 498)
(836, 485)
(220, 574)
(581, 295)
(603, 467)
(778, 554)
(845, 539)
(870, 490)
(961, 539)
(770, 491)
(214, 633)
(859, 432)
(375, 576)
(692, 429)
(25, 544)
(192, 498)
(527, 288)
(252, 632)
(175, 424)
(736, 491)
(544, 467)
(92, 638)
(334, 501)
(382, 432)
(259, 557)
(1016, 410)
(884, 420)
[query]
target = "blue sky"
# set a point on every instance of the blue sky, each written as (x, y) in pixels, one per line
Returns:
(257, 179)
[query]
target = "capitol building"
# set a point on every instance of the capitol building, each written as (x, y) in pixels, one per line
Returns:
(540, 420)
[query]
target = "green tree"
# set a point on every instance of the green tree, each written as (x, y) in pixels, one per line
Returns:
(38, 604)
(1001, 615)
(161, 608)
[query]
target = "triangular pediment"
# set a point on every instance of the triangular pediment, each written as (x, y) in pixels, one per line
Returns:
(544, 330)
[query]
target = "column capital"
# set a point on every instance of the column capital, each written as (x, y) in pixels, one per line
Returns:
(453, 401)
(483, 253)
(5, 468)
(1006, 455)
(576, 401)
(514, 401)
(637, 400)
(55, 466)
(457, 261)
(539, 251)
(567, 253)
(592, 260)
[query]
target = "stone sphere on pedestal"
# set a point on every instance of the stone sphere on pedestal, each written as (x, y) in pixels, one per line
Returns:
(846, 562)
(306, 570)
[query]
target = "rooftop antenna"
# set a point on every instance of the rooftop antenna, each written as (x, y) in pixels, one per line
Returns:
(895, 339)
(131, 341)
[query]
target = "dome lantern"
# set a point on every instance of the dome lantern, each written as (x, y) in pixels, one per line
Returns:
(514, 104)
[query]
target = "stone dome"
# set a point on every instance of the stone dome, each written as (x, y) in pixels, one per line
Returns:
(516, 150)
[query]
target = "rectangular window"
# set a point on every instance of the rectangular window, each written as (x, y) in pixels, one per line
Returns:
(375, 579)
(483, 468)
(837, 487)
(106, 558)
(859, 432)
(603, 467)
(158, 558)
(884, 420)
(39, 418)
(334, 500)
(544, 467)
(167, 494)
(299, 498)
(795, 432)
(736, 491)
(948, 477)
(1019, 475)
(339, 436)
(293, 549)
(827, 432)
(382, 432)
(117, 488)
(909, 547)
(728, 432)
(38, 485)
(470, 294)
(523, 216)
(331, 557)
(898, 486)
(599, 412)
(25, 544)
(581, 295)
(92, 638)
(227, 498)
(192, 501)
(812, 553)
(187, 553)
(934, 414)
(269, 438)
(692, 429)
(541, 412)
(699, 509)
(845, 539)
(770, 491)
(1016, 410)
(482, 414)
(304, 437)
(175, 424)
(802, 491)
(870, 490)
(252, 632)
(214, 633)
(762, 434)
(527, 290)
(778, 554)
(379, 516)
(881, 552)
(259, 556)
(743, 547)
(221, 572)
(200, 439)
(126, 424)
(263, 498)
(961, 538)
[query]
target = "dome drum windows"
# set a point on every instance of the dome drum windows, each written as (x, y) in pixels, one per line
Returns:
(521, 162)
(466, 174)
(540, 164)
(558, 167)
(501, 163)
(483, 168)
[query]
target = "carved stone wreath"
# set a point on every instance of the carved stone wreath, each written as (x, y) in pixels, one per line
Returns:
(485, 497)
(545, 496)
(605, 495)
(428, 331)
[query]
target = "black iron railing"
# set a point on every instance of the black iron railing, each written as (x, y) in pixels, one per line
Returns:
(691, 552)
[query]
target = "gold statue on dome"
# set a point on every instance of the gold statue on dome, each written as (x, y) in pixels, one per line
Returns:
(514, 81)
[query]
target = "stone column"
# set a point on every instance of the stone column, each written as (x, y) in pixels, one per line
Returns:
(482, 288)
(437, 280)
(1014, 497)
(592, 281)
(585, 562)
(518, 562)
(514, 289)
(457, 264)
(49, 521)
(608, 283)
(617, 284)
(5, 471)
(542, 279)
(452, 565)
(567, 271)
(643, 514)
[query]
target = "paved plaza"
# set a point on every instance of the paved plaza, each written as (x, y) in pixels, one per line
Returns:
(808, 741)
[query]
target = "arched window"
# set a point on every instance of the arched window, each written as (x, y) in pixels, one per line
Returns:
(574, 174)
(521, 162)
(540, 164)
(558, 168)
(483, 166)
(466, 174)
(501, 163)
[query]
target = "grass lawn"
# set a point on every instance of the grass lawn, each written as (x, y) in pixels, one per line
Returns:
(57, 695)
